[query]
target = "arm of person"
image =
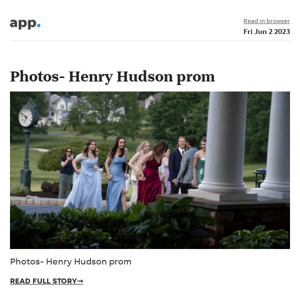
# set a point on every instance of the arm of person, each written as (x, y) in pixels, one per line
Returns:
(74, 162)
(109, 176)
(171, 165)
(161, 171)
(196, 157)
(126, 153)
(64, 163)
(133, 160)
(183, 166)
(146, 158)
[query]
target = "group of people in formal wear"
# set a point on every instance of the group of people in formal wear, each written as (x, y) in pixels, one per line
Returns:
(153, 171)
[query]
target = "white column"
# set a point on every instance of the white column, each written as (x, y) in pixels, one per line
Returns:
(225, 146)
(277, 182)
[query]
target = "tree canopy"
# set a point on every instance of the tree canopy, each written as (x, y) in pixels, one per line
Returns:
(180, 114)
(186, 113)
(110, 113)
(257, 127)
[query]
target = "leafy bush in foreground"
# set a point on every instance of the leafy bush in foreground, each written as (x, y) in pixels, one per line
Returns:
(257, 239)
(25, 230)
(166, 226)
(82, 239)
(157, 225)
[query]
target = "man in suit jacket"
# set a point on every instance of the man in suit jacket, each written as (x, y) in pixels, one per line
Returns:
(185, 175)
(174, 163)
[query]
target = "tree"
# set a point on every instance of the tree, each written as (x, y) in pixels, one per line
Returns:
(107, 112)
(17, 100)
(257, 128)
(186, 114)
(180, 114)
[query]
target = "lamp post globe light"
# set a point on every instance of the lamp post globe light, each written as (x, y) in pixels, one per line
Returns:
(28, 119)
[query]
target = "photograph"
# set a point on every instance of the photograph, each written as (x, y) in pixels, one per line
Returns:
(150, 170)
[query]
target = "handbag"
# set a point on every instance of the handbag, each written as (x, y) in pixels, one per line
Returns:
(133, 177)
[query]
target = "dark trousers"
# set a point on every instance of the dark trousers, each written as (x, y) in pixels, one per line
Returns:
(174, 189)
(185, 187)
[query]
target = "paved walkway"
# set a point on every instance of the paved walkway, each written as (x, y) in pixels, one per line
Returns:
(40, 209)
(39, 205)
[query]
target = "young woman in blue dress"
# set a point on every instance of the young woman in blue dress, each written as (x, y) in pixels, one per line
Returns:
(87, 188)
(116, 196)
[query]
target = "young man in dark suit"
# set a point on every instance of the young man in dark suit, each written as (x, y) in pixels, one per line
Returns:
(174, 163)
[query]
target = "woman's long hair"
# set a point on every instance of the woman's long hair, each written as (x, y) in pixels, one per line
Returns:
(114, 148)
(141, 146)
(181, 137)
(86, 148)
(65, 153)
(160, 148)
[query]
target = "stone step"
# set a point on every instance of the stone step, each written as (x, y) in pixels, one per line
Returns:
(33, 200)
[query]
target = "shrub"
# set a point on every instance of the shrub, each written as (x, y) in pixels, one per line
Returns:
(25, 230)
(19, 189)
(82, 239)
(166, 226)
(47, 187)
(69, 219)
(77, 218)
(50, 161)
(257, 239)
(104, 148)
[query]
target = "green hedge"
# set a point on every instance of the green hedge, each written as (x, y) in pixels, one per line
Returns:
(50, 161)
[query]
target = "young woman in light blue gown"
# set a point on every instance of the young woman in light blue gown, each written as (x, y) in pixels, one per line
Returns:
(87, 188)
(116, 196)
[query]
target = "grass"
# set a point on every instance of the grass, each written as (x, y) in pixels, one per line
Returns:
(17, 152)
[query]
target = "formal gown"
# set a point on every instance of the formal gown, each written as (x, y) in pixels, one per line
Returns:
(87, 187)
(76, 175)
(116, 184)
(200, 174)
(147, 190)
(167, 182)
(134, 179)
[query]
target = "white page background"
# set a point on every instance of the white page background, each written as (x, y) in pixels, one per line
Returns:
(203, 37)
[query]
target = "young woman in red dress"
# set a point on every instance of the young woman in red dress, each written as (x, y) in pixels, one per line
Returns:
(149, 182)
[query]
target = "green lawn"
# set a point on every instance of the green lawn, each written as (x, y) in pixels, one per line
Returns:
(17, 153)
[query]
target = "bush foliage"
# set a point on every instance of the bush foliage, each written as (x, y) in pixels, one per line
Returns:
(167, 226)
(153, 226)
(257, 239)
(50, 161)
(17, 189)
(25, 230)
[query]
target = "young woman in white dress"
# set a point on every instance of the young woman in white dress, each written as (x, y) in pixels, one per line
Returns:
(141, 151)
